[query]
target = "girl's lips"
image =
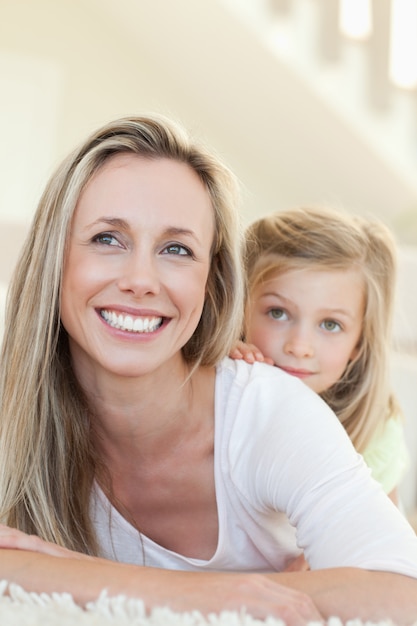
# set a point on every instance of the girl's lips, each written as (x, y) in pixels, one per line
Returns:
(296, 372)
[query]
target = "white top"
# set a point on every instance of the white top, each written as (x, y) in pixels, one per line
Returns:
(279, 449)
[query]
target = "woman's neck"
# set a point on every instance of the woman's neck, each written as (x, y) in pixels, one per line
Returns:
(147, 417)
(162, 481)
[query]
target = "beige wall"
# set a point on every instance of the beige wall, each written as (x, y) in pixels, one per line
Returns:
(67, 66)
(64, 69)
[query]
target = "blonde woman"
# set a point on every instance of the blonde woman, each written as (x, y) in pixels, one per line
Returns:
(134, 455)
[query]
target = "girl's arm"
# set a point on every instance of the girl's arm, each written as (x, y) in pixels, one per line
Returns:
(393, 495)
(299, 564)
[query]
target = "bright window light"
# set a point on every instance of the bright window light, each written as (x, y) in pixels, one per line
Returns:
(355, 18)
(403, 48)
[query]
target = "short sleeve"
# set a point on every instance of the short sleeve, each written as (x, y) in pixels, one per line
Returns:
(387, 455)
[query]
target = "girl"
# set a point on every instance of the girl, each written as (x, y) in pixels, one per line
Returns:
(125, 435)
(320, 294)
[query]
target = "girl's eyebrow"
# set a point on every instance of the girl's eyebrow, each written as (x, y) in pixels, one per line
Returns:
(344, 312)
(324, 311)
(274, 294)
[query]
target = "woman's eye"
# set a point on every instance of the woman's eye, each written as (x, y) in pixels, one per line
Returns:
(331, 326)
(278, 314)
(176, 248)
(106, 239)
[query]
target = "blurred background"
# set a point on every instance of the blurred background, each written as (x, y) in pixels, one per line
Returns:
(308, 101)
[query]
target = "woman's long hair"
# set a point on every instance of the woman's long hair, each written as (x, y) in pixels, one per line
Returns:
(47, 461)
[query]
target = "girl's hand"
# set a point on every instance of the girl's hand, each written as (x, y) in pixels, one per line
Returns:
(14, 539)
(299, 564)
(249, 353)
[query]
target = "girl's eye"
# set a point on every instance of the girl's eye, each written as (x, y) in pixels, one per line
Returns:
(331, 326)
(106, 239)
(176, 248)
(278, 314)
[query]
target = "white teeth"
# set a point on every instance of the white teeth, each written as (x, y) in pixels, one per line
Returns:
(127, 322)
(138, 325)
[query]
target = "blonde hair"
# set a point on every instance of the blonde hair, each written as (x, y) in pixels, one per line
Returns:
(47, 462)
(327, 239)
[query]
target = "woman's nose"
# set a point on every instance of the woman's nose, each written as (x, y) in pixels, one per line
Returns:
(139, 275)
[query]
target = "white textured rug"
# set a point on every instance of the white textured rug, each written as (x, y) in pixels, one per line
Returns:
(20, 608)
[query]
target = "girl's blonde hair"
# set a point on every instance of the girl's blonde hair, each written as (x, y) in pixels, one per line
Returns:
(47, 462)
(321, 238)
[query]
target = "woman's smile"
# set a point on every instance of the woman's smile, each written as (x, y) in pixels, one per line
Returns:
(131, 323)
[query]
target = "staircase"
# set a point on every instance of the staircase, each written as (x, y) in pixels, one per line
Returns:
(351, 75)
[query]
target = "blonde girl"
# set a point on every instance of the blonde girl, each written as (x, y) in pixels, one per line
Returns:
(320, 295)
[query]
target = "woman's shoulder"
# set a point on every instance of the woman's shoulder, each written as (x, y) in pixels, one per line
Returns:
(240, 372)
(254, 376)
(266, 389)
(266, 421)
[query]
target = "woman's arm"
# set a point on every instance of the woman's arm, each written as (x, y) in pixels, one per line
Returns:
(180, 591)
(350, 593)
(40, 566)
(295, 597)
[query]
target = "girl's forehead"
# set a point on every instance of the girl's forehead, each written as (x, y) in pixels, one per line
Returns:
(329, 286)
(270, 265)
(298, 271)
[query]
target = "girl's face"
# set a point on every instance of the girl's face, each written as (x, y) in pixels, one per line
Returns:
(308, 322)
(136, 268)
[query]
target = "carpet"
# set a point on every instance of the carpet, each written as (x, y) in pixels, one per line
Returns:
(21, 608)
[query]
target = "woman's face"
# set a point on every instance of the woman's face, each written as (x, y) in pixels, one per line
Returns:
(136, 268)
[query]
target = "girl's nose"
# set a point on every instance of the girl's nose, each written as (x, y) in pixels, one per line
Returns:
(299, 344)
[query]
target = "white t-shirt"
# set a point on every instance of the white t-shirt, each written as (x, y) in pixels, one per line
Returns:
(280, 454)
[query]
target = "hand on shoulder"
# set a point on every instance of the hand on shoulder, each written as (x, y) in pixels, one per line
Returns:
(249, 353)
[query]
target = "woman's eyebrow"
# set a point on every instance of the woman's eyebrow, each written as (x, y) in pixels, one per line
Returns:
(122, 224)
(175, 230)
(111, 221)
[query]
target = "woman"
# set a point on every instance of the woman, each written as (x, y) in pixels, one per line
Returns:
(134, 442)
